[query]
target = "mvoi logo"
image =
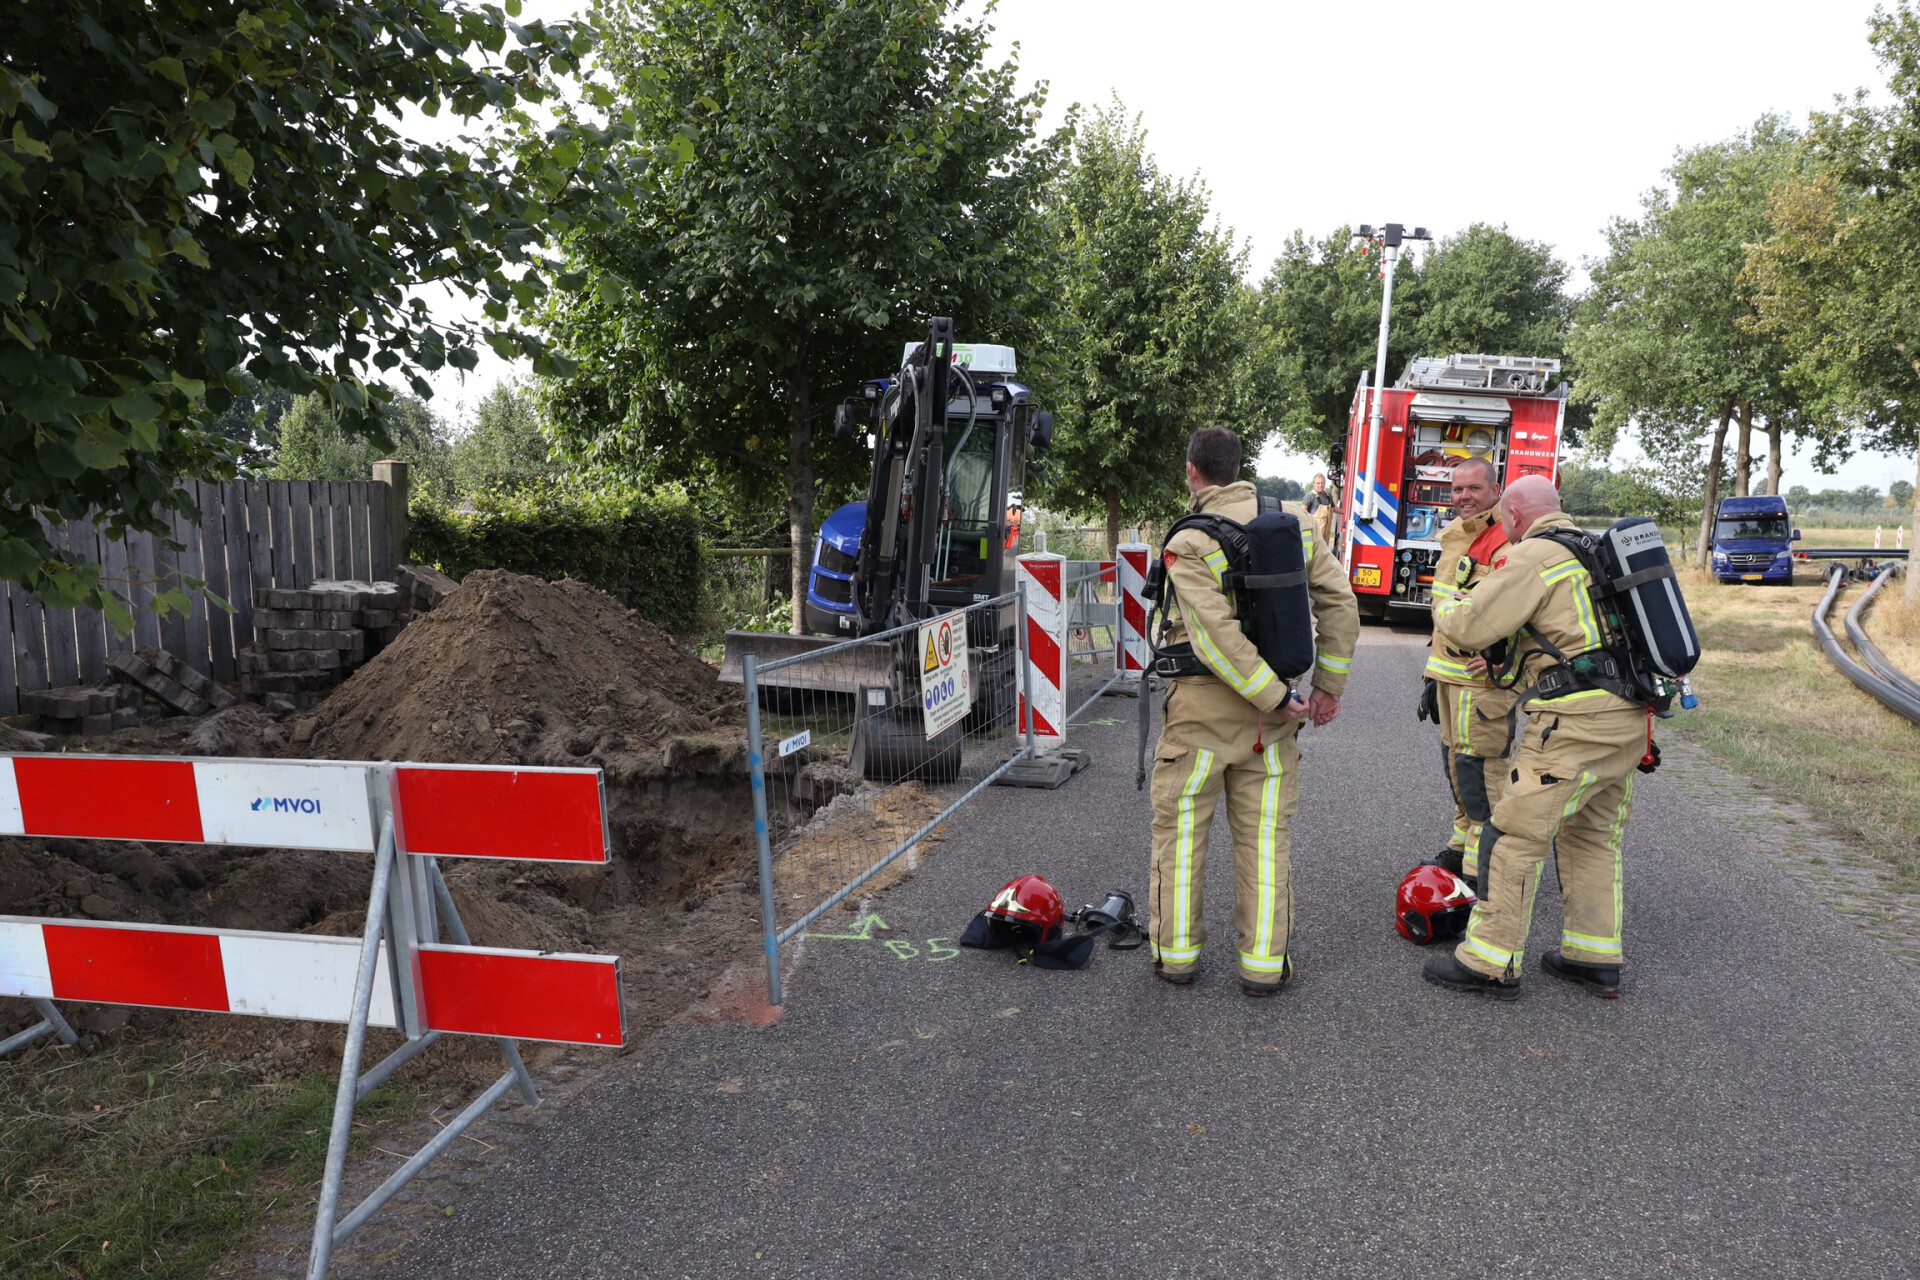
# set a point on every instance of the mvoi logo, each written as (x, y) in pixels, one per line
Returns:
(281, 804)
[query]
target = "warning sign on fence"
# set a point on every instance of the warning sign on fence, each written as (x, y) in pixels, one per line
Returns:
(945, 692)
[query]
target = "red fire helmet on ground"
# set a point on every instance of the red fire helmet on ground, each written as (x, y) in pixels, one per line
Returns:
(1432, 904)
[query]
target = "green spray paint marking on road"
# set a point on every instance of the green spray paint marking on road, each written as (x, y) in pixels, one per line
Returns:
(935, 950)
(867, 924)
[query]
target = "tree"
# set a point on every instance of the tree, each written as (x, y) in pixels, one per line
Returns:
(193, 192)
(1900, 495)
(506, 448)
(857, 167)
(1660, 338)
(1835, 278)
(1150, 328)
(315, 444)
(1280, 489)
(1798, 496)
(1320, 309)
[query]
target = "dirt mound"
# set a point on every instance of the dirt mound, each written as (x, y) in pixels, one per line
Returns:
(515, 670)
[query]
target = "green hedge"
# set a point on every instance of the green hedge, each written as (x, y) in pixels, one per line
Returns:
(642, 548)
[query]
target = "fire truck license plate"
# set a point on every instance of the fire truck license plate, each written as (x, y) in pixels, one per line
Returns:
(1366, 576)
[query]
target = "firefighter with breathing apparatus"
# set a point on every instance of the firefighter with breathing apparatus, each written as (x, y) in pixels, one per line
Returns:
(1589, 697)
(1458, 692)
(1232, 588)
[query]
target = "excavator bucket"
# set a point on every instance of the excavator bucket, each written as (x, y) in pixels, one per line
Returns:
(846, 671)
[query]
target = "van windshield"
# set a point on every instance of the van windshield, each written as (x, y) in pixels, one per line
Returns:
(1771, 527)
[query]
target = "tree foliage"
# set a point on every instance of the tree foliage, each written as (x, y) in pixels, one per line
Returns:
(191, 192)
(858, 166)
(315, 444)
(1151, 326)
(505, 448)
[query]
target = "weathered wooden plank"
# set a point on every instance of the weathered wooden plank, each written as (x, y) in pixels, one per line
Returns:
(235, 495)
(9, 691)
(193, 564)
(115, 570)
(359, 499)
(300, 500)
(169, 561)
(378, 534)
(213, 551)
(340, 528)
(63, 652)
(260, 534)
(280, 499)
(29, 641)
(90, 625)
(144, 556)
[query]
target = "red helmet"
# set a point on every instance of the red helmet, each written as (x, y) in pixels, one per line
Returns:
(1030, 902)
(1432, 904)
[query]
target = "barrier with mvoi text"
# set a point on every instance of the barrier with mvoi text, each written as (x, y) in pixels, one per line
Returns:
(399, 974)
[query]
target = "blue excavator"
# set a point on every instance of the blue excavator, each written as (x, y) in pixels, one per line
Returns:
(950, 433)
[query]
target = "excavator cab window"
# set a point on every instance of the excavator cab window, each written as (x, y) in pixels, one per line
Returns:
(967, 525)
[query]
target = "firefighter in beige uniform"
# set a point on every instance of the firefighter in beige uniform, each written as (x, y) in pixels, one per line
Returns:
(1471, 710)
(1229, 731)
(1570, 788)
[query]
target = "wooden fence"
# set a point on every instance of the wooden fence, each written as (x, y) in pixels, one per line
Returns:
(272, 533)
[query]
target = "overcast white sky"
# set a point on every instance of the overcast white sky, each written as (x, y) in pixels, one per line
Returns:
(1548, 118)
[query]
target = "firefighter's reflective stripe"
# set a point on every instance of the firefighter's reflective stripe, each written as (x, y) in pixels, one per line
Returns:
(1336, 666)
(1614, 943)
(1465, 836)
(1259, 957)
(1442, 590)
(1508, 962)
(1216, 562)
(1463, 721)
(1447, 669)
(1576, 573)
(1216, 662)
(1183, 950)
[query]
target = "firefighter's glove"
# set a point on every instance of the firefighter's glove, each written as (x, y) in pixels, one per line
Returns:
(1430, 700)
(1650, 761)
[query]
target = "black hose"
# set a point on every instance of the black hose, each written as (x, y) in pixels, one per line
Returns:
(1894, 698)
(1869, 651)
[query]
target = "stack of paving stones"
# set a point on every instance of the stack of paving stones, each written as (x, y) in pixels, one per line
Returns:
(173, 682)
(84, 709)
(423, 588)
(307, 641)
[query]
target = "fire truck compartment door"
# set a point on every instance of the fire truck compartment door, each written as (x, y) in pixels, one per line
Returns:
(1482, 411)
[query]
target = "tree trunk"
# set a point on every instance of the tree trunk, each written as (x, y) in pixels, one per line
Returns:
(799, 485)
(1774, 461)
(1713, 482)
(1113, 520)
(1912, 572)
(1743, 457)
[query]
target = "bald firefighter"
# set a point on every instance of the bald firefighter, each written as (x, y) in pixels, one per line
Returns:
(1232, 727)
(1460, 695)
(1570, 788)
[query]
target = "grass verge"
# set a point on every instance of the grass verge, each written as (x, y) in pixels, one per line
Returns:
(148, 1160)
(1774, 708)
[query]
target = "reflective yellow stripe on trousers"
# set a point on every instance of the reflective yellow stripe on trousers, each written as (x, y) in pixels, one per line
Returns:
(1613, 945)
(1183, 951)
(1261, 959)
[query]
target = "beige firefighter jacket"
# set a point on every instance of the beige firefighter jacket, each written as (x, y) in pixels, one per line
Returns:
(1539, 584)
(1202, 612)
(1457, 570)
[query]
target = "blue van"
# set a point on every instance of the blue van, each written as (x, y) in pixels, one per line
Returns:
(1752, 541)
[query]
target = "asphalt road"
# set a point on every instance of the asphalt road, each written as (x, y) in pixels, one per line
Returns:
(1749, 1108)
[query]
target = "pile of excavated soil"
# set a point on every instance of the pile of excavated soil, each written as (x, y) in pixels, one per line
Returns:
(508, 670)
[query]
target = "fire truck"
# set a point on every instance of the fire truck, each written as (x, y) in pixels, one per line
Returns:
(1507, 409)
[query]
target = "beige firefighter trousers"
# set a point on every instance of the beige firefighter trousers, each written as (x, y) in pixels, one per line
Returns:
(1473, 746)
(1570, 790)
(1208, 748)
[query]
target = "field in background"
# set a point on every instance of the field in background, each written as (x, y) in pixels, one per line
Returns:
(1774, 709)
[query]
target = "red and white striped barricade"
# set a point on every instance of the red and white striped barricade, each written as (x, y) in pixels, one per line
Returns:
(1043, 700)
(1130, 655)
(399, 974)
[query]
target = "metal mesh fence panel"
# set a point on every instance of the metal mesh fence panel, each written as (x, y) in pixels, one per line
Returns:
(848, 778)
(1093, 631)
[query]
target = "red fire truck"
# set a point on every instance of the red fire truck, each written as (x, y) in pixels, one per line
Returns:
(1398, 492)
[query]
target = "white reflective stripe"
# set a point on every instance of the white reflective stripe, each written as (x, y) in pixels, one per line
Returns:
(1336, 665)
(1487, 951)
(1177, 955)
(308, 978)
(1573, 801)
(296, 805)
(1439, 666)
(23, 961)
(1576, 572)
(1216, 562)
(1183, 853)
(12, 821)
(1267, 901)
(1586, 942)
(1263, 964)
(1217, 663)
(1463, 722)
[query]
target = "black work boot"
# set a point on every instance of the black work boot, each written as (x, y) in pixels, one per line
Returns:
(1177, 979)
(1248, 987)
(1445, 971)
(1602, 980)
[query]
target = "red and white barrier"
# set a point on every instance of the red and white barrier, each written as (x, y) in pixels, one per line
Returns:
(1130, 655)
(397, 974)
(1044, 648)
